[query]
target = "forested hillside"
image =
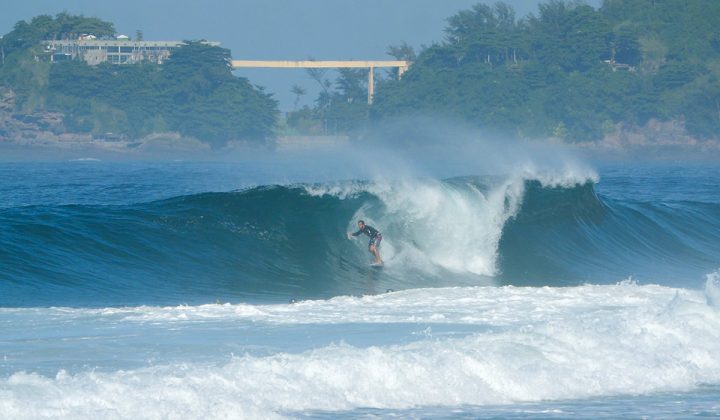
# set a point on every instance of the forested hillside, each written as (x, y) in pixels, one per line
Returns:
(193, 93)
(569, 71)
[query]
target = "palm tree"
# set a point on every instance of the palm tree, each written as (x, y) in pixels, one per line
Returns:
(298, 91)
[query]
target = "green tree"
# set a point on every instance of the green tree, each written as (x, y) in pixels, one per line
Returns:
(194, 93)
(546, 71)
(402, 52)
(298, 91)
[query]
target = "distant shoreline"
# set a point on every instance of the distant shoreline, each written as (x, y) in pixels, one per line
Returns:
(164, 146)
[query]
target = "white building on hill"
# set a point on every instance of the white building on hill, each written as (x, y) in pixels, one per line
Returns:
(117, 51)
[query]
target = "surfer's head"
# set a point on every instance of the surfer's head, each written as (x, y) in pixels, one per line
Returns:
(361, 224)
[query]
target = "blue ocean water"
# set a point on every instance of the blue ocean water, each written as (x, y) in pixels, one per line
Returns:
(229, 290)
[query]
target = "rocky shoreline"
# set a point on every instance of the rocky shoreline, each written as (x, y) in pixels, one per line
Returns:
(45, 131)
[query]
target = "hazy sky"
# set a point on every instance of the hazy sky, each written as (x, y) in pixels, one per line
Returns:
(272, 29)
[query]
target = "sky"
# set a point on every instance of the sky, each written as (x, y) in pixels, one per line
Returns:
(273, 29)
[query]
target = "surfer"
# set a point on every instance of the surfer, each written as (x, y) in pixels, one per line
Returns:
(375, 239)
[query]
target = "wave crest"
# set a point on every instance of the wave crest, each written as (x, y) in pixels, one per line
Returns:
(280, 242)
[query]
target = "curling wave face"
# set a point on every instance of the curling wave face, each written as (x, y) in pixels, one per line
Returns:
(273, 243)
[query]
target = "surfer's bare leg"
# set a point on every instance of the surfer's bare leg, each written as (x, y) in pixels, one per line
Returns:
(374, 251)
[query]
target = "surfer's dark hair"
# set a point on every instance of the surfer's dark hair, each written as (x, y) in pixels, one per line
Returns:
(361, 221)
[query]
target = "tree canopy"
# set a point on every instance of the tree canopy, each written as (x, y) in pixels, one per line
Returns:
(569, 70)
(27, 35)
(193, 93)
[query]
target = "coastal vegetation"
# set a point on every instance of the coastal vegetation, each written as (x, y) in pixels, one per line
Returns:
(194, 93)
(570, 71)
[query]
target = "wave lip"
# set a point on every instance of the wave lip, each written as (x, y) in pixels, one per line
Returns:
(274, 243)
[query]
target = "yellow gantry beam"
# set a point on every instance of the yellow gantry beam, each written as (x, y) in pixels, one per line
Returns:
(313, 64)
(401, 65)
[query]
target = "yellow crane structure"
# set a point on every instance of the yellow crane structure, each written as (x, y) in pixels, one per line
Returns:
(401, 65)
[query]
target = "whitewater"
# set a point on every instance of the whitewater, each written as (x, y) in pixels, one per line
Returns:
(207, 290)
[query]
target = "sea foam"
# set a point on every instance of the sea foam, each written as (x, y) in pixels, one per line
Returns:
(535, 344)
(455, 226)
